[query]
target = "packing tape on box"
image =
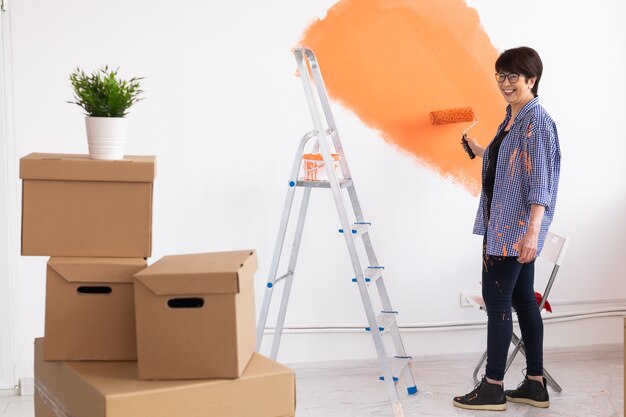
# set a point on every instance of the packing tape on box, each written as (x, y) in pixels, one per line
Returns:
(50, 400)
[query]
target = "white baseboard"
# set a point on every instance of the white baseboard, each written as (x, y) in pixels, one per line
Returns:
(27, 386)
(349, 345)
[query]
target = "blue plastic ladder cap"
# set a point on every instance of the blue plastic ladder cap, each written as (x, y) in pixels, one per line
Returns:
(382, 329)
(412, 390)
(292, 183)
(353, 279)
(382, 378)
(367, 280)
(367, 329)
(270, 285)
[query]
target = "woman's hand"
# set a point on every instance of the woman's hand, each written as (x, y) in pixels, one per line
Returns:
(527, 248)
(475, 147)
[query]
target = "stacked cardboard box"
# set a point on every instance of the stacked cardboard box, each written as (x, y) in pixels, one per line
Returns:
(125, 340)
(204, 305)
(94, 218)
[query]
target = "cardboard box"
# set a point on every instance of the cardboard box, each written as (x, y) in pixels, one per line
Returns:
(76, 206)
(90, 308)
(111, 389)
(195, 316)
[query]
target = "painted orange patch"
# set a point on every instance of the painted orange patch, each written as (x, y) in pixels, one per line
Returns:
(394, 61)
(529, 165)
(512, 164)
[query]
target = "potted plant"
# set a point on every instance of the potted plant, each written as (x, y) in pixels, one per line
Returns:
(106, 99)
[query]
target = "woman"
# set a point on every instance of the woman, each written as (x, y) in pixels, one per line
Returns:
(520, 173)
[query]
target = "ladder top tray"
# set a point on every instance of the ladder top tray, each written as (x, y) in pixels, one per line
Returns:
(343, 183)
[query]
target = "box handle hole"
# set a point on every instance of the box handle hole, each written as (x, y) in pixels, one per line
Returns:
(94, 290)
(192, 302)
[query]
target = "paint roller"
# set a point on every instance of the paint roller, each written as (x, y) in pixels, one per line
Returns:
(458, 115)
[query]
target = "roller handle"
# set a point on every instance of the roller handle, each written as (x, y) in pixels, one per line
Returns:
(467, 147)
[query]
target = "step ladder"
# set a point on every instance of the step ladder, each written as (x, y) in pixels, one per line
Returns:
(397, 367)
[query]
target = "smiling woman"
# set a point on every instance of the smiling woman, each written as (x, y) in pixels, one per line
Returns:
(520, 172)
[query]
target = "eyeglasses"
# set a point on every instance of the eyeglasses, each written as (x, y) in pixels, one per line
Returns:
(500, 77)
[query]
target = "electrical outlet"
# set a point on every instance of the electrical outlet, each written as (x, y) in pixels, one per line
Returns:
(465, 299)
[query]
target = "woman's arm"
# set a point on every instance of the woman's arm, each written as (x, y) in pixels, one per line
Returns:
(527, 250)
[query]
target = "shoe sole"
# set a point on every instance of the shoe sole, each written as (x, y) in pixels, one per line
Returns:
(540, 404)
(486, 407)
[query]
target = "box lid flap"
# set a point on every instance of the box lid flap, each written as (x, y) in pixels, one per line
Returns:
(70, 167)
(203, 273)
(97, 269)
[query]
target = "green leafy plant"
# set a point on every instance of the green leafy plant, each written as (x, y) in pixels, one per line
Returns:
(103, 94)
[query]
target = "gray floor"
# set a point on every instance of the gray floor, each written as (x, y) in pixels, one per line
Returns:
(592, 381)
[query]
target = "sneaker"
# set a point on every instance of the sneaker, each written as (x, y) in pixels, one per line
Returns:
(485, 396)
(530, 392)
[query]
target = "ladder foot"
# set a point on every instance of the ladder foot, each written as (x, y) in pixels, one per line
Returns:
(412, 390)
(270, 285)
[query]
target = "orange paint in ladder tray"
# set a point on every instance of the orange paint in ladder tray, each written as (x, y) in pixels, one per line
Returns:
(393, 62)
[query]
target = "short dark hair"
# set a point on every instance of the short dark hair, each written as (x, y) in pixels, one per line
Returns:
(524, 61)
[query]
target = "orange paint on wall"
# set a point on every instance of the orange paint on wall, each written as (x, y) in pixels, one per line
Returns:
(392, 62)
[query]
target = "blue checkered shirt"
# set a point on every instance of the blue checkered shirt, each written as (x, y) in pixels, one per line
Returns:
(529, 162)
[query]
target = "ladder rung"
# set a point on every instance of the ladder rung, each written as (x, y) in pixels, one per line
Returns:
(398, 365)
(386, 318)
(343, 183)
(280, 278)
(371, 274)
(359, 228)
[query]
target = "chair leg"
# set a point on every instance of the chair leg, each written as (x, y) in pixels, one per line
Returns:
(518, 345)
(478, 366)
(551, 381)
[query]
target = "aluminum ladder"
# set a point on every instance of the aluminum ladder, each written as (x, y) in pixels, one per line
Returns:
(394, 368)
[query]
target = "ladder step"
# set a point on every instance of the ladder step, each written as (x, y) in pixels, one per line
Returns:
(359, 228)
(343, 183)
(371, 274)
(398, 365)
(384, 320)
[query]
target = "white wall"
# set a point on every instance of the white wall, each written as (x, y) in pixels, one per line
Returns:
(224, 112)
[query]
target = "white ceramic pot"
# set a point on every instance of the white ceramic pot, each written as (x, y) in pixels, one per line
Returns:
(106, 137)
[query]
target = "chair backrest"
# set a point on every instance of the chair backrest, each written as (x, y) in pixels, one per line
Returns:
(554, 248)
(553, 251)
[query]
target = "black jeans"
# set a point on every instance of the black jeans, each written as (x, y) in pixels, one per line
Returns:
(506, 283)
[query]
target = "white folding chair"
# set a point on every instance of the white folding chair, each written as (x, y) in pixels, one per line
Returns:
(553, 251)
